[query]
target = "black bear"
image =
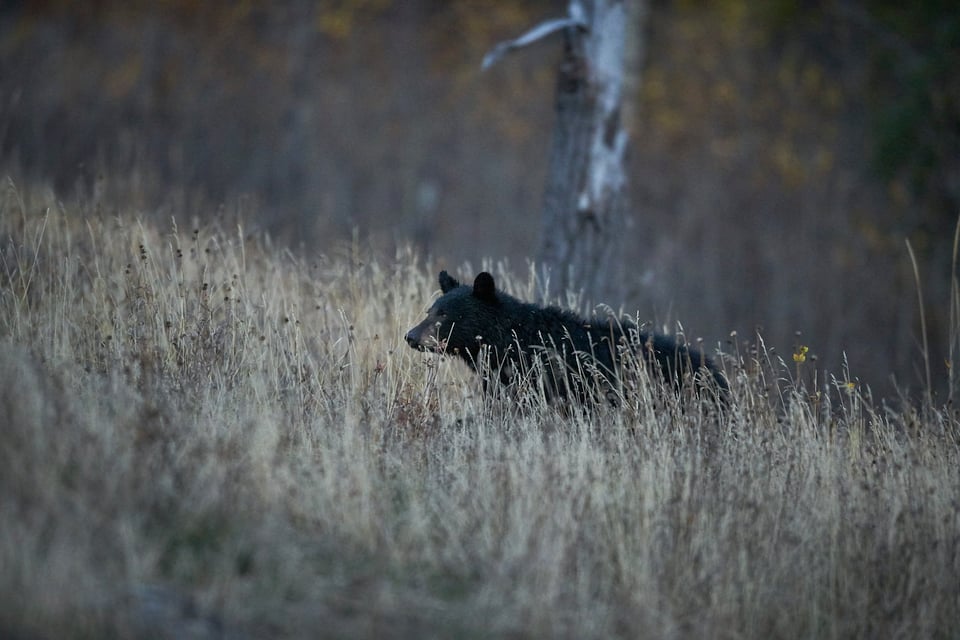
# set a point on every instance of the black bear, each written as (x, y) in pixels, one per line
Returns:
(501, 336)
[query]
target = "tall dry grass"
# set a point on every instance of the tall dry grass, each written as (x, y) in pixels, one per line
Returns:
(204, 435)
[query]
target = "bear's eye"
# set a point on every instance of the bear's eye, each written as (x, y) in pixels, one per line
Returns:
(441, 313)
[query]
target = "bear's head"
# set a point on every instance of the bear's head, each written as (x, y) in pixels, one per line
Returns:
(459, 320)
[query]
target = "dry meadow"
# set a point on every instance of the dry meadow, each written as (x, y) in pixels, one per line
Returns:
(203, 435)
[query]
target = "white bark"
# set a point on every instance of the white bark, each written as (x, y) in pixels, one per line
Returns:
(584, 203)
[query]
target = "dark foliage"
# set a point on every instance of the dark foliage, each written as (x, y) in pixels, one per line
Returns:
(516, 341)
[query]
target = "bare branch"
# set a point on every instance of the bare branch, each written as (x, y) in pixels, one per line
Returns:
(542, 30)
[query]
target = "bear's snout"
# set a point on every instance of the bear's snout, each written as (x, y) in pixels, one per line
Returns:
(412, 339)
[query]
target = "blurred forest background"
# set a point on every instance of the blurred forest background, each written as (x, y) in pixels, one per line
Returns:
(782, 151)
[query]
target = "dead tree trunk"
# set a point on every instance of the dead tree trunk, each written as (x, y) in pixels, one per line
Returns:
(585, 198)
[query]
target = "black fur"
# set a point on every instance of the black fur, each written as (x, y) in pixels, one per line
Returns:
(493, 331)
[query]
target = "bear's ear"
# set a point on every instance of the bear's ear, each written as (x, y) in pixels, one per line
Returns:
(484, 289)
(447, 283)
